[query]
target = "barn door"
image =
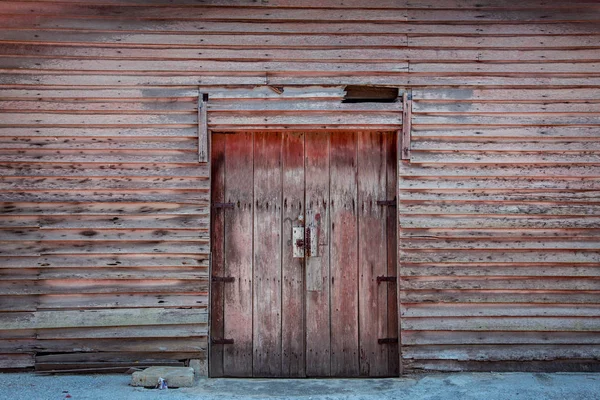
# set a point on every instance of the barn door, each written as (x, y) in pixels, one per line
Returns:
(303, 254)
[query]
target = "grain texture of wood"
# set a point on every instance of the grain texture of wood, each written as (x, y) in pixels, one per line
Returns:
(318, 272)
(345, 352)
(105, 206)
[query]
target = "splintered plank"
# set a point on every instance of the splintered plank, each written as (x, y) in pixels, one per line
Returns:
(217, 253)
(318, 329)
(344, 255)
(267, 254)
(14, 361)
(372, 255)
(292, 309)
(391, 215)
(239, 184)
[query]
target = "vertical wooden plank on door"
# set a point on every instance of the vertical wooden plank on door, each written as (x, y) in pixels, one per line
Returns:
(237, 358)
(318, 329)
(344, 255)
(391, 145)
(292, 268)
(267, 254)
(372, 257)
(217, 255)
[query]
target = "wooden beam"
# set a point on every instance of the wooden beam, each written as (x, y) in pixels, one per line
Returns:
(202, 127)
(406, 124)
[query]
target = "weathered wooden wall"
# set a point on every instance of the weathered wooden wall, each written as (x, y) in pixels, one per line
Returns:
(499, 204)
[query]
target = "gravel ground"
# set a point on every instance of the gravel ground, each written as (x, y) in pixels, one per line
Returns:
(455, 386)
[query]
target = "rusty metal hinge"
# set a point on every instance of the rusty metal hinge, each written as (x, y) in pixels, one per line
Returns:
(387, 340)
(386, 279)
(391, 203)
(222, 341)
(223, 205)
(226, 279)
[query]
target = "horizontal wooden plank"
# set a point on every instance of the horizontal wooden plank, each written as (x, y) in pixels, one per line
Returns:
(504, 157)
(177, 344)
(381, 4)
(102, 260)
(140, 195)
(521, 170)
(143, 52)
(506, 256)
(499, 283)
(94, 301)
(541, 270)
(16, 248)
(441, 208)
(142, 274)
(107, 222)
(142, 107)
(561, 365)
(497, 310)
(86, 143)
(534, 132)
(289, 106)
(565, 243)
(100, 235)
(507, 119)
(500, 296)
(99, 208)
(380, 119)
(501, 195)
(12, 63)
(98, 132)
(531, 68)
(97, 318)
(12, 119)
(495, 221)
(131, 24)
(92, 183)
(501, 233)
(293, 14)
(513, 95)
(115, 286)
(513, 107)
(506, 352)
(16, 360)
(497, 338)
(216, 93)
(519, 324)
(95, 169)
(530, 183)
(104, 156)
(124, 332)
(546, 42)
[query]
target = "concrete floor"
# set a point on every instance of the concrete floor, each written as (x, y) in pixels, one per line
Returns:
(455, 386)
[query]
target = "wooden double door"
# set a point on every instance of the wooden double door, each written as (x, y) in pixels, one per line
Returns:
(332, 312)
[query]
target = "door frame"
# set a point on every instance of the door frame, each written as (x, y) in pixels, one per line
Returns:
(399, 133)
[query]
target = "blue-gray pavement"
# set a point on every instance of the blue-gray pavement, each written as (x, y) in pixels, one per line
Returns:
(485, 386)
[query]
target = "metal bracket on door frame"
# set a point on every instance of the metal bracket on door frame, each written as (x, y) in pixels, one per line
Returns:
(223, 205)
(225, 279)
(391, 203)
(386, 279)
(222, 341)
(387, 340)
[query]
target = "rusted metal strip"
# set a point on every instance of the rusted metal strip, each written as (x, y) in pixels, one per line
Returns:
(391, 203)
(223, 205)
(226, 279)
(202, 128)
(222, 341)
(406, 125)
(386, 279)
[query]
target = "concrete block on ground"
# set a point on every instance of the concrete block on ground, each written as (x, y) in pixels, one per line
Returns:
(200, 368)
(174, 376)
